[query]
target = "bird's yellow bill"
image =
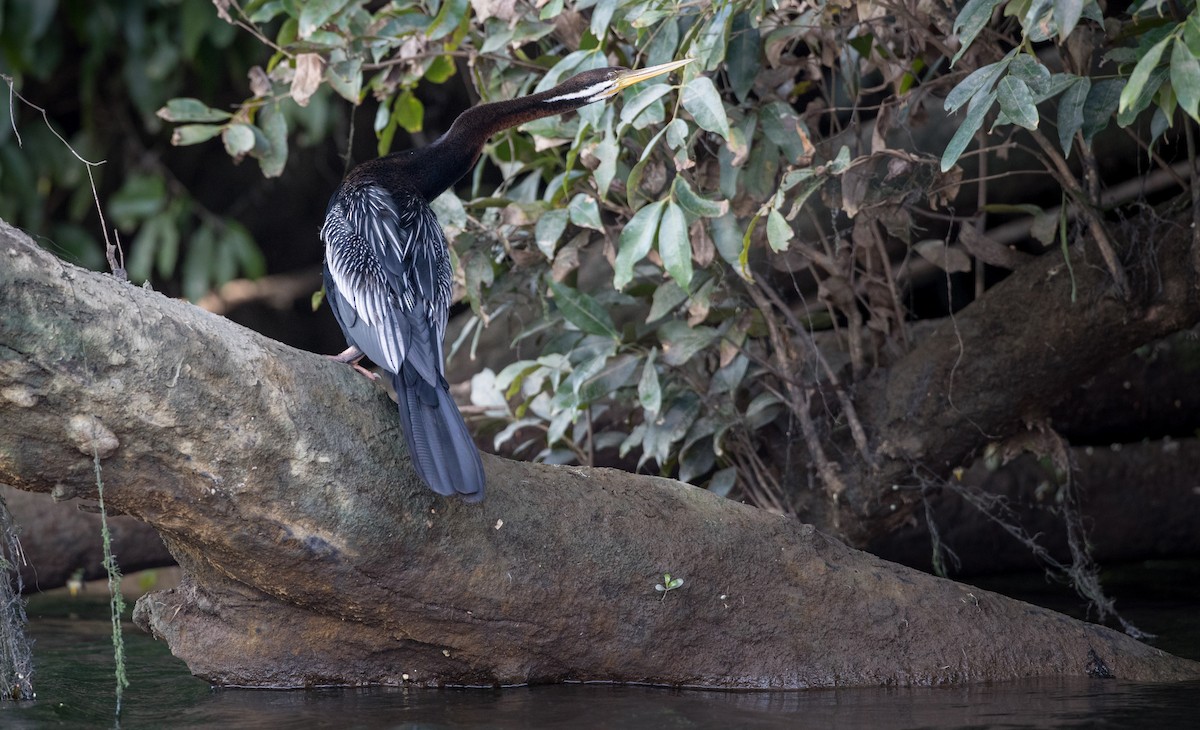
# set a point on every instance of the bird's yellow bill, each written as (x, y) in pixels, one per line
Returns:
(629, 78)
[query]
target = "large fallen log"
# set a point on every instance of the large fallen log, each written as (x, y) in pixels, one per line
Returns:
(312, 554)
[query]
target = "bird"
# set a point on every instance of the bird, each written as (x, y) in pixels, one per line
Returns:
(388, 276)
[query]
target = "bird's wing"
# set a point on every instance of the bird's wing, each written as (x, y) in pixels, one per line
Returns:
(388, 269)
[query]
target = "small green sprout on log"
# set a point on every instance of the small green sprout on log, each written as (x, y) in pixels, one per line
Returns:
(668, 584)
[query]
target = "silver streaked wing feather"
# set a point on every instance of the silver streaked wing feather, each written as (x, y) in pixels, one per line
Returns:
(391, 269)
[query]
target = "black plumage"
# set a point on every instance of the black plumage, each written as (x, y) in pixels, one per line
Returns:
(387, 268)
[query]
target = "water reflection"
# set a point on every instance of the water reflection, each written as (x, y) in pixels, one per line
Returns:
(75, 690)
(74, 682)
(1033, 703)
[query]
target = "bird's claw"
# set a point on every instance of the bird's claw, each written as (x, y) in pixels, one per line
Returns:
(350, 356)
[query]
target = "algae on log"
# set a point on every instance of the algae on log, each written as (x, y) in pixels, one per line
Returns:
(312, 554)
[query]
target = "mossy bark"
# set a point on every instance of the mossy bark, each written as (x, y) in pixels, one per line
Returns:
(313, 555)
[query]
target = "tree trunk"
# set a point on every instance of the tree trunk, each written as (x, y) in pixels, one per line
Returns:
(313, 555)
(999, 367)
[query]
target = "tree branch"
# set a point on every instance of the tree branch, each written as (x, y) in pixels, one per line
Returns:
(1008, 358)
(311, 554)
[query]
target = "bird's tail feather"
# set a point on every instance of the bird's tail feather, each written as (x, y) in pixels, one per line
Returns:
(438, 441)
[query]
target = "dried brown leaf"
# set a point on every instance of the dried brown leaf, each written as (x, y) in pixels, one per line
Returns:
(703, 250)
(260, 83)
(990, 251)
(309, 67)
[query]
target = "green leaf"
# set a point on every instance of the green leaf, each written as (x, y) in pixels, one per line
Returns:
(156, 241)
(194, 134)
(139, 198)
(1101, 102)
(167, 249)
(409, 112)
(669, 428)
(680, 342)
(274, 127)
(549, 229)
(664, 43)
(722, 481)
(1185, 78)
(633, 183)
(449, 16)
(606, 153)
(1191, 33)
(710, 47)
(730, 241)
(744, 56)
(583, 311)
(782, 126)
(976, 111)
(636, 240)
(703, 102)
(808, 180)
(1052, 87)
(779, 233)
(585, 212)
(441, 69)
(1030, 70)
(841, 163)
(191, 110)
(1066, 16)
(345, 77)
(649, 391)
(315, 13)
(694, 203)
(980, 81)
(238, 139)
(762, 410)
(674, 246)
(974, 16)
(616, 374)
(1016, 101)
(197, 265)
(763, 170)
(1070, 112)
(677, 133)
(666, 297)
(1036, 20)
(1136, 85)
(602, 13)
(1158, 77)
(247, 254)
(641, 100)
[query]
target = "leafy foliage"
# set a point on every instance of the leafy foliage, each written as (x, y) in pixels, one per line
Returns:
(1023, 80)
(144, 54)
(650, 246)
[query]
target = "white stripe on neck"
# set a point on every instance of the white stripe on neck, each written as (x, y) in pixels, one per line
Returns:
(581, 94)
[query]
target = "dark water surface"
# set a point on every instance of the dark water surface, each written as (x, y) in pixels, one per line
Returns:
(74, 684)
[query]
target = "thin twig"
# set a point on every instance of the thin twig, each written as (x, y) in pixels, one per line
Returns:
(857, 432)
(112, 251)
(1089, 208)
(798, 402)
(1189, 133)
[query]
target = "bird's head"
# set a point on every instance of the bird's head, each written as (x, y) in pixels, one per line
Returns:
(604, 83)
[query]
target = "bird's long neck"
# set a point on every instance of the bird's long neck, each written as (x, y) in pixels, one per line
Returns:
(435, 168)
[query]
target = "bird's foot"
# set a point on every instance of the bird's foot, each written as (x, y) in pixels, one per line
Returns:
(350, 356)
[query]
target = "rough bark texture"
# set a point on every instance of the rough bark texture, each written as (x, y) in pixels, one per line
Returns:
(1006, 361)
(312, 555)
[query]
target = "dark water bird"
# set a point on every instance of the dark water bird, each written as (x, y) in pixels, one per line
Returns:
(388, 275)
